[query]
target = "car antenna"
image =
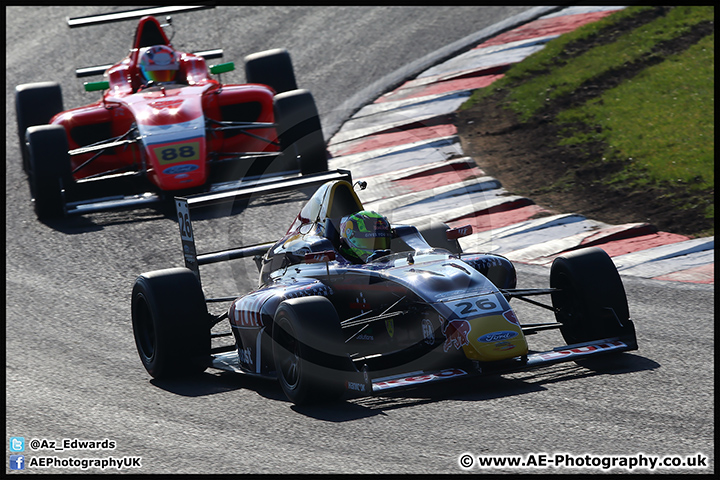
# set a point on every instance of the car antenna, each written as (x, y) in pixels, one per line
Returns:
(168, 23)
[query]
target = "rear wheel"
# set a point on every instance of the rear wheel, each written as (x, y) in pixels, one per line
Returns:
(35, 104)
(591, 303)
(308, 350)
(300, 132)
(272, 68)
(171, 323)
(48, 169)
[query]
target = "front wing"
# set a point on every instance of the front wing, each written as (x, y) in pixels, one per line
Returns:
(360, 385)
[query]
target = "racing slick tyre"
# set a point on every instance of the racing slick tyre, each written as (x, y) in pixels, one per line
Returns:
(591, 302)
(272, 68)
(48, 169)
(300, 132)
(35, 104)
(170, 323)
(308, 350)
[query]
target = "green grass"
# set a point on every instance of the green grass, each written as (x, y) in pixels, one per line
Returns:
(659, 123)
(663, 119)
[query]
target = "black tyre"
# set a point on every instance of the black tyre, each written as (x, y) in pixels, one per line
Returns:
(35, 104)
(272, 68)
(591, 303)
(171, 323)
(308, 349)
(48, 169)
(300, 132)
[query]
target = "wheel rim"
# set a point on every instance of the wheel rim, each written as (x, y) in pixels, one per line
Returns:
(144, 329)
(289, 357)
(569, 311)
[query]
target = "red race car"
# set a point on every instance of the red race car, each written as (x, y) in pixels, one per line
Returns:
(164, 126)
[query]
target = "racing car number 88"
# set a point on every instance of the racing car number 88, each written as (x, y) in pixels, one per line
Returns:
(177, 153)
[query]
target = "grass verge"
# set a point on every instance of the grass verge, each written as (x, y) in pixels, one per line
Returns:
(641, 83)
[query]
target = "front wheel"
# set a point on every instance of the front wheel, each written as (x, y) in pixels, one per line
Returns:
(35, 104)
(170, 323)
(591, 303)
(308, 350)
(49, 169)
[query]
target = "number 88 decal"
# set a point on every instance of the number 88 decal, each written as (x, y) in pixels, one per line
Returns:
(177, 153)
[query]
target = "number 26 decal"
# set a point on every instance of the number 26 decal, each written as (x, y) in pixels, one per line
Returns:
(184, 220)
(476, 306)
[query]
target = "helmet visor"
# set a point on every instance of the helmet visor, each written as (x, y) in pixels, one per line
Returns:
(159, 75)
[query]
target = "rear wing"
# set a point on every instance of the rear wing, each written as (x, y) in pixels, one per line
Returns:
(184, 205)
(76, 22)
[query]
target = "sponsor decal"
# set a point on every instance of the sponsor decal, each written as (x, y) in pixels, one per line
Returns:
(245, 312)
(586, 350)
(428, 331)
(455, 372)
(390, 327)
(460, 293)
(180, 169)
(246, 355)
(503, 346)
(365, 337)
(456, 334)
(496, 336)
(320, 257)
(455, 233)
(161, 104)
(355, 386)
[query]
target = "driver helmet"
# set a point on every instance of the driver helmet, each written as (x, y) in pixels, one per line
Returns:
(362, 234)
(158, 63)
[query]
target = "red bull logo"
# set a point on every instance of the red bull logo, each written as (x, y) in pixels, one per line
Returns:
(456, 334)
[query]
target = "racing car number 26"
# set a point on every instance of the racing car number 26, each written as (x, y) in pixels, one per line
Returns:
(476, 306)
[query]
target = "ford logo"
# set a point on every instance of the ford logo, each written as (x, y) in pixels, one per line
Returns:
(180, 169)
(496, 336)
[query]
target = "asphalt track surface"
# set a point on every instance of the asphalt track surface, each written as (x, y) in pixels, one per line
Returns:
(72, 371)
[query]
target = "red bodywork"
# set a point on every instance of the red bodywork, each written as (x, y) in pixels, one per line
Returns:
(174, 147)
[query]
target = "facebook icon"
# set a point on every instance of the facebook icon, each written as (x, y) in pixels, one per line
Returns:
(17, 462)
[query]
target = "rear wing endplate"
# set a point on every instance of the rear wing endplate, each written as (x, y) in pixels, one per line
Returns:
(184, 205)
